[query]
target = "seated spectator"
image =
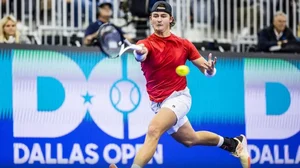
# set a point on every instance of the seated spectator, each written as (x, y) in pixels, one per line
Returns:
(277, 36)
(104, 15)
(9, 33)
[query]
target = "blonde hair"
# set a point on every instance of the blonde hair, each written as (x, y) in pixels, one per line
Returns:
(3, 22)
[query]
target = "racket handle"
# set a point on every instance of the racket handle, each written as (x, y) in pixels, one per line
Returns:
(136, 47)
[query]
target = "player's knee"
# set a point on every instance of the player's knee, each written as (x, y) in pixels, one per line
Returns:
(154, 132)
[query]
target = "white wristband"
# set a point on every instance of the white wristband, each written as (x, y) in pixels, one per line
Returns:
(213, 74)
(139, 57)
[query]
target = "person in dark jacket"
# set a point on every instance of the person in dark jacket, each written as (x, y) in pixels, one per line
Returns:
(276, 35)
(103, 16)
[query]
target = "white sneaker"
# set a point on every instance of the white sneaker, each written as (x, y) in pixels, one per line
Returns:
(241, 151)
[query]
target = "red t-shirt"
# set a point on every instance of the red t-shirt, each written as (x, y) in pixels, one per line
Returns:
(164, 55)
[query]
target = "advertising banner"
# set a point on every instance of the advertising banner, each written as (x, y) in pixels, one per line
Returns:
(80, 109)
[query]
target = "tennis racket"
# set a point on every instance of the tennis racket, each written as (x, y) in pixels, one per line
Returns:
(112, 42)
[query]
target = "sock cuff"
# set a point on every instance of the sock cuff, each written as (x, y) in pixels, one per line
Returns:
(135, 166)
(221, 141)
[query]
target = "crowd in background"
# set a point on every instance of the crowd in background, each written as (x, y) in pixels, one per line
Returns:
(275, 37)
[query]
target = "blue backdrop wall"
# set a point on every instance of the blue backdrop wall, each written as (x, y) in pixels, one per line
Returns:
(76, 108)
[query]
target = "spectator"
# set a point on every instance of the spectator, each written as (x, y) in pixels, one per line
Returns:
(9, 33)
(104, 15)
(276, 35)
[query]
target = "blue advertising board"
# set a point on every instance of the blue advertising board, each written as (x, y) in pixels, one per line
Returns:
(79, 109)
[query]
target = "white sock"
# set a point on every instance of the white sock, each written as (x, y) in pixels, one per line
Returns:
(135, 166)
(221, 141)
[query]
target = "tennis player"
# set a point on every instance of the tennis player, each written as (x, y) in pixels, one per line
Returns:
(161, 53)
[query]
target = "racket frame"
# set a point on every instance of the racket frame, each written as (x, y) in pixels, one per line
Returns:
(123, 40)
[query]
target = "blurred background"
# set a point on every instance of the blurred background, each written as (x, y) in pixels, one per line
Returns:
(63, 103)
(223, 25)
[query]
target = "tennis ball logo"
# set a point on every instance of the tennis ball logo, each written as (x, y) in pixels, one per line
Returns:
(182, 70)
(125, 96)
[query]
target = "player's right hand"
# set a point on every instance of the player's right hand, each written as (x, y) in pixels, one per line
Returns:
(143, 51)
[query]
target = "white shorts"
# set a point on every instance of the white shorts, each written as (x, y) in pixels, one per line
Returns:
(180, 103)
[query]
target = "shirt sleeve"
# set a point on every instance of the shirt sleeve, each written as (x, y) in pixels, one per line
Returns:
(193, 53)
(89, 30)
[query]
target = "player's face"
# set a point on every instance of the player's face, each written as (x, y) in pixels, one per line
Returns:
(280, 23)
(160, 21)
(10, 28)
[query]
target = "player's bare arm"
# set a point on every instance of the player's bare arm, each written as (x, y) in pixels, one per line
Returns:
(206, 66)
(88, 39)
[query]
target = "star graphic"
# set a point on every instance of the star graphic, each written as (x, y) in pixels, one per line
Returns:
(87, 98)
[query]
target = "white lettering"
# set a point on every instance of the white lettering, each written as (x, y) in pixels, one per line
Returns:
(297, 160)
(158, 155)
(76, 155)
(115, 148)
(266, 155)
(128, 152)
(254, 149)
(286, 155)
(36, 154)
(271, 154)
(17, 158)
(125, 152)
(276, 155)
(49, 160)
(60, 158)
(90, 151)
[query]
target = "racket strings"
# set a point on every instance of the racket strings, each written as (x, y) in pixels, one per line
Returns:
(110, 40)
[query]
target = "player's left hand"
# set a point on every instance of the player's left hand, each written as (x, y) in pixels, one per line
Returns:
(211, 64)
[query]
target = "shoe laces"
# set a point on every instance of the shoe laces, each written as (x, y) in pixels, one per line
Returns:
(238, 150)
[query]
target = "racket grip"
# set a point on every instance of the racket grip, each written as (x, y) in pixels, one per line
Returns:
(136, 47)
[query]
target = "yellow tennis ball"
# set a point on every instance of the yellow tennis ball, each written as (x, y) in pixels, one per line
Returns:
(182, 70)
